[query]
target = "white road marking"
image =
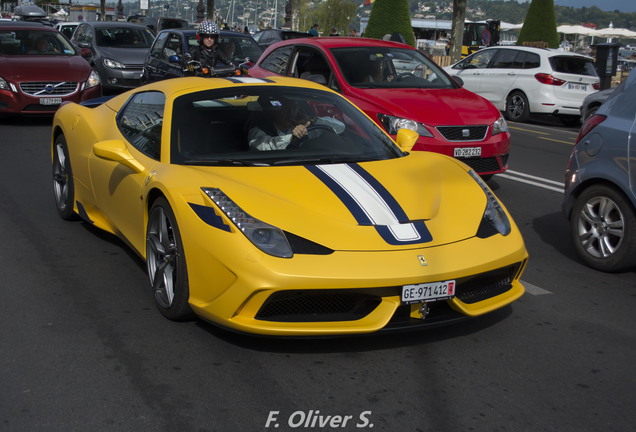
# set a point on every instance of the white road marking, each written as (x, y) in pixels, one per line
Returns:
(533, 289)
(533, 180)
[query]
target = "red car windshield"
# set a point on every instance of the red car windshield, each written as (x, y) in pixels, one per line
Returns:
(387, 67)
(34, 42)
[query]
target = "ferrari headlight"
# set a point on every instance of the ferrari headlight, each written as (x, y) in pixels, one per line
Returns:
(499, 126)
(393, 124)
(494, 219)
(113, 64)
(93, 80)
(267, 238)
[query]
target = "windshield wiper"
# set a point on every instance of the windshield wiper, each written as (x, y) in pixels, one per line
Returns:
(224, 162)
(322, 160)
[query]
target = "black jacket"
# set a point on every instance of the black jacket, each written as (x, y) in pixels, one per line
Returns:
(209, 57)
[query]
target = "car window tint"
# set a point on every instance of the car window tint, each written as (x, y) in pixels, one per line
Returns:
(505, 59)
(245, 47)
(530, 60)
(481, 59)
(218, 126)
(573, 65)
(123, 37)
(277, 60)
(192, 42)
(157, 48)
(141, 120)
(388, 67)
(83, 34)
(174, 46)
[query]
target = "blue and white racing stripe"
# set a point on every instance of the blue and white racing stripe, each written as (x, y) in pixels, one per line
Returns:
(371, 203)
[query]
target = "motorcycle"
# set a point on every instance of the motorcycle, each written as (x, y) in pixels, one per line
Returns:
(196, 68)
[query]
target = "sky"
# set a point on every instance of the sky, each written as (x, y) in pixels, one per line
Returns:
(606, 5)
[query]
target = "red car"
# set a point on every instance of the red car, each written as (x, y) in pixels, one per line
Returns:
(40, 69)
(399, 87)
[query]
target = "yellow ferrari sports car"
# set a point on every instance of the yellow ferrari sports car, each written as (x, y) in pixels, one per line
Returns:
(276, 207)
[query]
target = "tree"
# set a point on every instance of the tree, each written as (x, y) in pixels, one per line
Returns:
(335, 14)
(540, 24)
(388, 17)
(457, 30)
(210, 10)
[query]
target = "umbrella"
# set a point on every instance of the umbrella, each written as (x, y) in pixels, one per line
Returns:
(577, 29)
(611, 32)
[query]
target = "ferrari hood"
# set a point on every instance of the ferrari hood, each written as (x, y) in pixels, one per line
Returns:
(410, 202)
(434, 107)
(45, 68)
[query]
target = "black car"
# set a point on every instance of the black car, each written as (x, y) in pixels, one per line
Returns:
(265, 38)
(116, 50)
(161, 62)
(156, 24)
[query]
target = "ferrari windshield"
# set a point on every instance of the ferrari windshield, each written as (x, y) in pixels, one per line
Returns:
(34, 42)
(273, 125)
(388, 67)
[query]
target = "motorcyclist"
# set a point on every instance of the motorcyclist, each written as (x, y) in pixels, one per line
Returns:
(207, 52)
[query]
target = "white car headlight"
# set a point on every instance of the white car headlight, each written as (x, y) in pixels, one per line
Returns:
(393, 124)
(499, 126)
(113, 64)
(3, 84)
(93, 80)
(494, 219)
(267, 238)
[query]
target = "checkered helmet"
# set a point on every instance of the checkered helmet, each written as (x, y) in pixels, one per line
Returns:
(208, 28)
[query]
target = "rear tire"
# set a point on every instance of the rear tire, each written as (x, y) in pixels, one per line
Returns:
(517, 108)
(63, 186)
(603, 228)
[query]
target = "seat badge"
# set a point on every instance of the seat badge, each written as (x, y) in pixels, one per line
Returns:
(422, 260)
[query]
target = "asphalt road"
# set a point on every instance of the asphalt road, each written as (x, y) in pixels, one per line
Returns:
(83, 348)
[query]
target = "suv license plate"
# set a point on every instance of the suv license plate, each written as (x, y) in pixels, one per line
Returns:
(467, 152)
(428, 292)
(577, 86)
(50, 101)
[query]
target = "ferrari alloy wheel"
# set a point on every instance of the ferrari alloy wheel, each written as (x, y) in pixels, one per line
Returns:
(517, 108)
(603, 226)
(63, 188)
(166, 262)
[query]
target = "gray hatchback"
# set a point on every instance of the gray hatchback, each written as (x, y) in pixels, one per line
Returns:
(600, 184)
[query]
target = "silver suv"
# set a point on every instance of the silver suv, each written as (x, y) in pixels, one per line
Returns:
(600, 184)
(521, 80)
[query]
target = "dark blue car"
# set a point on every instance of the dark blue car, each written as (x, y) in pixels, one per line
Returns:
(161, 62)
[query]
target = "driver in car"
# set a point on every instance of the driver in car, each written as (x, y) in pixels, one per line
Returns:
(284, 125)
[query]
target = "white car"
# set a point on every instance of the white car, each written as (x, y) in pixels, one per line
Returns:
(522, 80)
(67, 28)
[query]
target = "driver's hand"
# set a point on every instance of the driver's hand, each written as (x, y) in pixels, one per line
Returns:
(300, 130)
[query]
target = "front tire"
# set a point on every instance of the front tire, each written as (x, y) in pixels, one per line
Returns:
(603, 227)
(63, 186)
(166, 263)
(517, 108)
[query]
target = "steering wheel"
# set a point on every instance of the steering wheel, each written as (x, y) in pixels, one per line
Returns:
(403, 75)
(297, 142)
